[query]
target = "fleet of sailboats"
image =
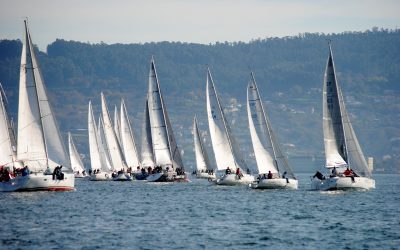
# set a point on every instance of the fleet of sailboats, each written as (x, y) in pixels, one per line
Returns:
(343, 153)
(114, 155)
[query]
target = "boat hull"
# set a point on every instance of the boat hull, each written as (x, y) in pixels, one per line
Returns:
(166, 177)
(122, 177)
(206, 176)
(80, 175)
(232, 180)
(275, 184)
(342, 183)
(102, 176)
(39, 182)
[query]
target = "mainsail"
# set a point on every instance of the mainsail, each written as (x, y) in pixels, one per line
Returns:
(225, 149)
(341, 144)
(166, 151)
(202, 160)
(39, 140)
(269, 156)
(127, 139)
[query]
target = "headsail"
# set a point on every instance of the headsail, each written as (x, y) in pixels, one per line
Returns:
(225, 150)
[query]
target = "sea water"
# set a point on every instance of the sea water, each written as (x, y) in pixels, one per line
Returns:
(199, 215)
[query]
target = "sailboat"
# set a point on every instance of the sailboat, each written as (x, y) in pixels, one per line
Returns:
(226, 151)
(273, 168)
(39, 144)
(204, 169)
(76, 162)
(98, 160)
(117, 158)
(166, 152)
(343, 154)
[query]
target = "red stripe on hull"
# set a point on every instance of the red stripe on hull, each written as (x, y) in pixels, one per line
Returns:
(46, 189)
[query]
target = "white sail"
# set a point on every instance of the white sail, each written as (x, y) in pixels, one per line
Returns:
(202, 160)
(225, 151)
(158, 127)
(166, 151)
(269, 156)
(334, 141)
(146, 145)
(39, 140)
(116, 156)
(76, 162)
(95, 159)
(8, 152)
(341, 143)
(103, 146)
(117, 125)
(127, 139)
(259, 131)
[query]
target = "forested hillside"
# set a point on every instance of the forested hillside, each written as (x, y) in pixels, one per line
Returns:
(289, 72)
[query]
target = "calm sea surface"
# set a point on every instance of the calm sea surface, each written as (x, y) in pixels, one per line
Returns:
(198, 215)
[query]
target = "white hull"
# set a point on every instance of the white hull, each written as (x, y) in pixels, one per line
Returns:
(275, 184)
(39, 182)
(342, 183)
(123, 177)
(206, 176)
(232, 179)
(102, 176)
(80, 175)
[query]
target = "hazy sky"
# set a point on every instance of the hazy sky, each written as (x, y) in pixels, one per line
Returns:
(199, 21)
